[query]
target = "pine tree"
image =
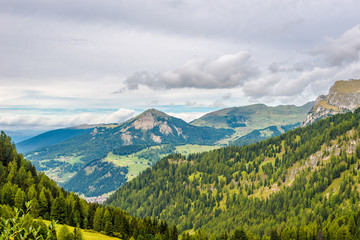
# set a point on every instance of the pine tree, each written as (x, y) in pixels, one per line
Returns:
(34, 210)
(174, 233)
(65, 234)
(59, 210)
(107, 216)
(20, 198)
(77, 233)
(274, 235)
(238, 235)
(43, 203)
(8, 194)
(31, 192)
(97, 223)
(108, 228)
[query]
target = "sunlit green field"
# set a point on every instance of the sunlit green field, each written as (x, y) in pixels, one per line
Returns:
(137, 164)
(191, 148)
(87, 235)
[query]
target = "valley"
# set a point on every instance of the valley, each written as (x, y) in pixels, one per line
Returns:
(69, 156)
(278, 182)
(179, 120)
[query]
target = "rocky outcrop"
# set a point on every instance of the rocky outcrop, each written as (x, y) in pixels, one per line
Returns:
(344, 96)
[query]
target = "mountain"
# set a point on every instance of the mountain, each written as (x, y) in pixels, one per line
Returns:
(263, 134)
(52, 137)
(21, 135)
(253, 117)
(68, 161)
(344, 96)
(302, 184)
(20, 183)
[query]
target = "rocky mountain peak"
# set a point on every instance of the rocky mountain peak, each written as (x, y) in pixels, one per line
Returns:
(154, 112)
(151, 118)
(344, 96)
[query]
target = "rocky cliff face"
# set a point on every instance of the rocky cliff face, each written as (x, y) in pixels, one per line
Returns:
(344, 96)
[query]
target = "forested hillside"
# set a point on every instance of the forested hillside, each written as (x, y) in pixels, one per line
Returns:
(66, 161)
(262, 134)
(20, 182)
(303, 184)
(51, 137)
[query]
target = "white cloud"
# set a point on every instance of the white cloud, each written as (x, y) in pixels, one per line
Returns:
(226, 71)
(74, 54)
(187, 116)
(305, 80)
(60, 120)
(342, 50)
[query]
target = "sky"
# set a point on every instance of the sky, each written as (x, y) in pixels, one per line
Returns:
(65, 63)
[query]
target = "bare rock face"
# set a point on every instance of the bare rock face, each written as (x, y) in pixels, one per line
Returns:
(344, 96)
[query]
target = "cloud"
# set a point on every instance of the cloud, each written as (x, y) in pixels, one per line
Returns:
(342, 50)
(227, 71)
(188, 116)
(226, 96)
(217, 104)
(50, 46)
(55, 121)
(309, 77)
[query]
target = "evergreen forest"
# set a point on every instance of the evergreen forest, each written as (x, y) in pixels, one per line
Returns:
(303, 184)
(23, 189)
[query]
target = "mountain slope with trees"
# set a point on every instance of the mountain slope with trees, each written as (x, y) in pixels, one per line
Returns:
(51, 137)
(303, 184)
(70, 158)
(20, 183)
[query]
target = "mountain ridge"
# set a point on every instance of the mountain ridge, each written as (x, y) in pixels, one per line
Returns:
(246, 119)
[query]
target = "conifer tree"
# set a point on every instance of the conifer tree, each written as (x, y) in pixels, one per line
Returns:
(77, 233)
(174, 233)
(97, 224)
(34, 210)
(59, 210)
(108, 227)
(20, 199)
(239, 235)
(43, 203)
(65, 234)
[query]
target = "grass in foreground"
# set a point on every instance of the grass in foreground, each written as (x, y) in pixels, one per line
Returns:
(87, 234)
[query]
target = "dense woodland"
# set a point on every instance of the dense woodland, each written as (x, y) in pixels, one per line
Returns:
(303, 184)
(20, 183)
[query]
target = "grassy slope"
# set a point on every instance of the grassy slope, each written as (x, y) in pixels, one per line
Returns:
(87, 234)
(136, 164)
